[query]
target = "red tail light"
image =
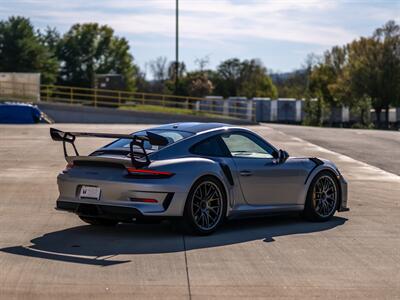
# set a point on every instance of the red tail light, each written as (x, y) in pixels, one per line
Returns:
(144, 200)
(147, 173)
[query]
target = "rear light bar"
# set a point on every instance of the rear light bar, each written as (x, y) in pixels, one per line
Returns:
(147, 173)
(144, 200)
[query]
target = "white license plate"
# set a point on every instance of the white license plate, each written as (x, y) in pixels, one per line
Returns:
(92, 192)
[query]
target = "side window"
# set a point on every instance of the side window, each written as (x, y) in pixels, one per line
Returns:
(209, 147)
(247, 146)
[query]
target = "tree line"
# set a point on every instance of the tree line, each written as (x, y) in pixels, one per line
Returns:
(361, 75)
(74, 58)
(232, 78)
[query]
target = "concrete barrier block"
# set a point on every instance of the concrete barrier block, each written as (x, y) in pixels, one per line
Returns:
(287, 110)
(262, 107)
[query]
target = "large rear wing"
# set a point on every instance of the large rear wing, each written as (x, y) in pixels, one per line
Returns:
(152, 138)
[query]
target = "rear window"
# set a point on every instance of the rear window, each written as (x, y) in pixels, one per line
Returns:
(171, 135)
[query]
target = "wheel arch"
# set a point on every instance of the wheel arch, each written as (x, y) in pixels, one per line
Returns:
(187, 171)
(213, 175)
(335, 174)
(189, 220)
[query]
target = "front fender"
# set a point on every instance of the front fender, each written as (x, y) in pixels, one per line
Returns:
(331, 167)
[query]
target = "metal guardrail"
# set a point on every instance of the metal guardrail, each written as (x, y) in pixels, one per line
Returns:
(127, 100)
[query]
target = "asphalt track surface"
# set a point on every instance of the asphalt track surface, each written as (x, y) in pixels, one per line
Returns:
(47, 254)
(380, 148)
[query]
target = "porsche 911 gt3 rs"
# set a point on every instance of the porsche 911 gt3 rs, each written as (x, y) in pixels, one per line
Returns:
(199, 173)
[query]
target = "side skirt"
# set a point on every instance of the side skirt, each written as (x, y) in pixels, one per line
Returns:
(244, 211)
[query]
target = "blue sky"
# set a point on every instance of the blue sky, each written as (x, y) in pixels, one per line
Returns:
(279, 32)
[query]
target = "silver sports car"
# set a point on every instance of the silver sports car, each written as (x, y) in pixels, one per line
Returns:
(197, 173)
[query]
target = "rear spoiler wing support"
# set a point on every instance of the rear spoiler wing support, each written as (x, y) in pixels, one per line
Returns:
(67, 138)
(139, 143)
(70, 137)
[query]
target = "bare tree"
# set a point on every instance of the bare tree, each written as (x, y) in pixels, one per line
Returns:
(159, 68)
(202, 63)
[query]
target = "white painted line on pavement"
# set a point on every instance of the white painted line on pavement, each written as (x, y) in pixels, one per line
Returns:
(361, 170)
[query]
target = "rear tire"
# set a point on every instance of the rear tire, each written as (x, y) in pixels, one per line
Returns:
(205, 207)
(322, 198)
(98, 221)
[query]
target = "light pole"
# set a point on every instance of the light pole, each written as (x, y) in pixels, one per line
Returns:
(176, 45)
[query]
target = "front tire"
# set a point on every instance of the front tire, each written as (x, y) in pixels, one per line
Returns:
(322, 197)
(205, 207)
(98, 221)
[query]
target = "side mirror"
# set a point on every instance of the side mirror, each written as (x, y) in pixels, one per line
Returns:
(282, 156)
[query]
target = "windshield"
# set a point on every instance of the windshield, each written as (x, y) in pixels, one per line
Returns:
(171, 135)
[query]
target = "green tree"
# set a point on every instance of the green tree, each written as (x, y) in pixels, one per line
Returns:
(345, 93)
(247, 78)
(255, 81)
(291, 85)
(89, 49)
(50, 38)
(227, 78)
(21, 50)
(372, 73)
(322, 81)
(365, 72)
(388, 37)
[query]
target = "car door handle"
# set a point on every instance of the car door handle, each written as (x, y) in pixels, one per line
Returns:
(245, 173)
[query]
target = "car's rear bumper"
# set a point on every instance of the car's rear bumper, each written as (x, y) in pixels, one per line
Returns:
(169, 200)
(125, 214)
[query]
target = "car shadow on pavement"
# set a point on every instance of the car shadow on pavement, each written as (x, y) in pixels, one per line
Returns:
(98, 245)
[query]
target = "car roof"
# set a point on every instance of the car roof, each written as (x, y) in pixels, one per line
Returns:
(17, 104)
(193, 127)
(18, 113)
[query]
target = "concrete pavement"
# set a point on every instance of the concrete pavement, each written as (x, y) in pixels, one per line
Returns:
(380, 148)
(47, 254)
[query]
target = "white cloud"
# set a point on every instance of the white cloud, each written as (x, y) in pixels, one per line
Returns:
(285, 20)
(222, 27)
